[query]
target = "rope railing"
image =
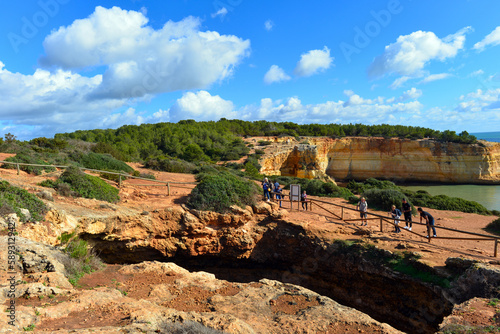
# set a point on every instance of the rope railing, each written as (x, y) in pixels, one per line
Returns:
(120, 175)
(390, 221)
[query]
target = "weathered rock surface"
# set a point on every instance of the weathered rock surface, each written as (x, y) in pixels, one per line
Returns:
(264, 307)
(396, 159)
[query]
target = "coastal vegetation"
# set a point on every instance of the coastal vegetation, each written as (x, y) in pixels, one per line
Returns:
(494, 227)
(219, 189)
(74, 182)
(221, 141)
(13, 199)
(82, 258)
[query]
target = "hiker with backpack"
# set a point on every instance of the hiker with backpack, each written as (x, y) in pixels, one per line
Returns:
(396, 214)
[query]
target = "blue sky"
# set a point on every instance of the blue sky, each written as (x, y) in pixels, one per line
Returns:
(69, 65)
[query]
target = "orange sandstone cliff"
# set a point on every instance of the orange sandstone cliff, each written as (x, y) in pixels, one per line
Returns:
(396, 159)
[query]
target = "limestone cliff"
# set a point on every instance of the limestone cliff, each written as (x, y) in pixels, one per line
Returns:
(396, 159)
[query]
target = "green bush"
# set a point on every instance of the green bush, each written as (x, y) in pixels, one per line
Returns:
(494, 227)
(14, 199)
(170, 165)
(371, 183)
(383, 199)
(219, 191)
(89, 186)
(106, 148)
(252, 171)
(29, 157)
(82, 258)
(101, 161)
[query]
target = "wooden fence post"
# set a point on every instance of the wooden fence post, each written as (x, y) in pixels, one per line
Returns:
(342, 213)
(381, 225)
(17, 169)
(119, 181)
(495, 252)
(168, 189)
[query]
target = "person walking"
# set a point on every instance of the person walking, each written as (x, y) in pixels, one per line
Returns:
(278, 191)
(407, 212)
(363, 208)
(396, 214)
(429, 221)
(303, 199)
(265, 187)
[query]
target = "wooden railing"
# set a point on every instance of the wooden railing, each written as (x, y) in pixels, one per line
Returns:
(383, 219)
(168, 184)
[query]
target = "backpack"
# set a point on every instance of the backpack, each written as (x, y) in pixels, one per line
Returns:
(398, 212)
(265, 186)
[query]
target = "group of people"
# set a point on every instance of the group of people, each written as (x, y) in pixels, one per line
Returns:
(396, 213)
(271, 189)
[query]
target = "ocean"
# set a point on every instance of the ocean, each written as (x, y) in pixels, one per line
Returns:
(489, 136)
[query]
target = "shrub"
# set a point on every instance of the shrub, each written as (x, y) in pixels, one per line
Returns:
(264, 142)
(13, 199)
(64, 189)
(383, 199)
(102, 162)
(48, 183)
(82, 258)
(147, 176)
(219, 191)
(106, 148)
(29, 157)
(252, 171)
(171, 165)
(371, 183)
(89, 186)
(494, 227)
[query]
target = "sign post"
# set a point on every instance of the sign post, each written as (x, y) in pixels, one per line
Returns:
(295, 195)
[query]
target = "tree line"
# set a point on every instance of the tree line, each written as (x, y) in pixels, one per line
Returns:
(222, 140)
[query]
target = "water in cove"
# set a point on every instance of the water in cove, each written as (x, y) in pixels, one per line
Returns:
(487, 195)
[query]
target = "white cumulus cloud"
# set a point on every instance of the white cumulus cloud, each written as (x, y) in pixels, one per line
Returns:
(275, 74)
(201, 106)
(410, 53)
(491, 39)
(313, 62)
(141, 60)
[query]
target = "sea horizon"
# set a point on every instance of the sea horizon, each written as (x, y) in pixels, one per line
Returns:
(489, 136)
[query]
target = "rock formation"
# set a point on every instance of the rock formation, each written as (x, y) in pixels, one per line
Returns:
(152, 297)
(360, 158)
